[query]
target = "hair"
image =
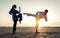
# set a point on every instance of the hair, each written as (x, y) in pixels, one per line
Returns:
(14, 6)
(46, 10)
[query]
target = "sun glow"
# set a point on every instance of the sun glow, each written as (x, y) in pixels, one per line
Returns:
(42, 23)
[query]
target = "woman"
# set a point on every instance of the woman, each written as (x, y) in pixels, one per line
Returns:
(15, 15)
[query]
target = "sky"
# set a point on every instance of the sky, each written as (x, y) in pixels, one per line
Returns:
(30, 6)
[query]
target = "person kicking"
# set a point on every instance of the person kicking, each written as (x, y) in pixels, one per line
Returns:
(38, 16)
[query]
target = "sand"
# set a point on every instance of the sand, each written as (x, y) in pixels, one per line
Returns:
(29, 32)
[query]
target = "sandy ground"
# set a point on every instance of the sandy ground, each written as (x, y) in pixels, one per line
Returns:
(29, 32)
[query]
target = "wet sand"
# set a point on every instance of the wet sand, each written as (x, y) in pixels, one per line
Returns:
(29, 32)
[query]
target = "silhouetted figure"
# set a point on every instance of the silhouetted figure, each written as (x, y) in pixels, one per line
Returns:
(38, 16)
(15, 15)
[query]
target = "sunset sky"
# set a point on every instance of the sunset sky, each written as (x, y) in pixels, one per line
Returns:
(30, 6)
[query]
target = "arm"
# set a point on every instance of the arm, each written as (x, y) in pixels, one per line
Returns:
(13, 12)
(19, 9)
(28, 14)
(10, 12)
(17, 12)
(45, 15)
(45, 18)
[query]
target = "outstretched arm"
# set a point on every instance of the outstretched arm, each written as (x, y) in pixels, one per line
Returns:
(28, 14)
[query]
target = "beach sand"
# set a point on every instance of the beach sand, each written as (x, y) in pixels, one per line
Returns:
(29, 32)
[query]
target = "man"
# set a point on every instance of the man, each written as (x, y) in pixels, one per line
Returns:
(38, 16)
(15, 15)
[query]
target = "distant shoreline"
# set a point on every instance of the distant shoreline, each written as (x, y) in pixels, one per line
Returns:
(32, 27)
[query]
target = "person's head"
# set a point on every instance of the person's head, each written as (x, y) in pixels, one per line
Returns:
(14, 6)
(46, 11)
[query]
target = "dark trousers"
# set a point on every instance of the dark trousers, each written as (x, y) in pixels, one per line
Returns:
(20, 17)
(14, 26)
